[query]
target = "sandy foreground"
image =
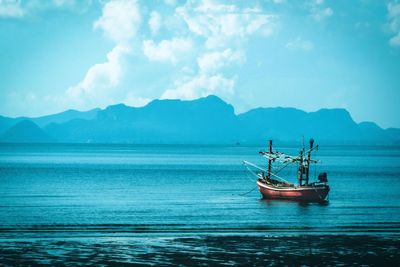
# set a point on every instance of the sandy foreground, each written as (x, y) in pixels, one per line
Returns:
(324, 250)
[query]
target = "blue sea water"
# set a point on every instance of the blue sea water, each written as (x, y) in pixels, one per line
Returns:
(78, 191)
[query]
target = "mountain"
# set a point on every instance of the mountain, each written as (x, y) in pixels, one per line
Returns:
(66, 116)
(276, 123)
(208, 120)
(325, 125)
(6, 123)
(204, 120)
(25, 131)
(61, 117)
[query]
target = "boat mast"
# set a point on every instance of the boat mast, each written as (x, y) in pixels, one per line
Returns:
(269, 160)
(300, 172)
(308, 160)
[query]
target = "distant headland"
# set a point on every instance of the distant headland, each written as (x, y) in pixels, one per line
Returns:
(207, 120)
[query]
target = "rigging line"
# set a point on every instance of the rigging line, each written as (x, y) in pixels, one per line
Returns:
(254, 165)
(315, 167)
(280, 178)
(247, 163)
(257, 167)
(287, 164)
(248, 191)
(252, 172)
(249, 177)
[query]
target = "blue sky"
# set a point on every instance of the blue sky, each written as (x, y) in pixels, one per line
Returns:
(62, 54)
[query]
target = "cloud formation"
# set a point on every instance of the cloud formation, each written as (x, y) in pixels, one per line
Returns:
(200, 86)
(155, 22)
(250, 53)
(211, 62)
(167, 50)
(220, 23)
(300, 44)
(225, 30)
(20, 9)
(205, 37)
(102, 76)
(120, 21)
(394, 22)
(319, 11)
(11, 8)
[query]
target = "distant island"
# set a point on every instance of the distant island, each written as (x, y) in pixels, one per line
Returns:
(207, 120)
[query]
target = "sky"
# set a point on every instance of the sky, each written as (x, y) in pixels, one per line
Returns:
(81, 54)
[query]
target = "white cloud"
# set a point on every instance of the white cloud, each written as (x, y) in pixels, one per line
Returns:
(20, 9)
(120, 20)
(213, 61)
(279, 1)
(225, 29)
(200, 86)
(395, 40)
(11, 8)
(219, 22)
(101, 76)
(221, 32)
(65, 3)
(300, 44)
(170, 2)
(155, 22)
(319, 11)
(394, 23)
(136, 101)
(166, 50)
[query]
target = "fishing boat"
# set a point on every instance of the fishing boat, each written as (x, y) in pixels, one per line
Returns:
(272, 186)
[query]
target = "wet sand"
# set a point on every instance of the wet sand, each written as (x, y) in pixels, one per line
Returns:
(299, 250)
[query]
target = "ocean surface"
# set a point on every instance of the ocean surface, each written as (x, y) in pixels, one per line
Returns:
(55, 199)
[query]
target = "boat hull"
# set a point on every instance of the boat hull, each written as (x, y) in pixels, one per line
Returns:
(304, 193)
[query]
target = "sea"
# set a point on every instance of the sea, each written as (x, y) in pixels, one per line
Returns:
(121, 205)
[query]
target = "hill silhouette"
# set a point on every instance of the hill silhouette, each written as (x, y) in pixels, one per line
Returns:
(207, 120)
(25, 131)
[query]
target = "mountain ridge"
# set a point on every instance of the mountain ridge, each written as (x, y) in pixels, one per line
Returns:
(207, 120)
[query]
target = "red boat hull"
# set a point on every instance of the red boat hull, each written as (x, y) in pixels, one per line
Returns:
(304, 193)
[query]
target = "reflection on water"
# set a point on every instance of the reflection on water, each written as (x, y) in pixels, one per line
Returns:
(275, 202)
